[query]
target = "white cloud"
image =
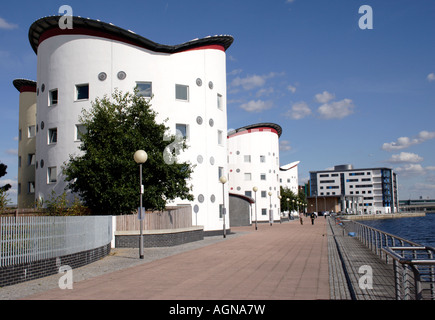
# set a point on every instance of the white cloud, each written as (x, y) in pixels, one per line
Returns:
(324, 97)
(431, 77)
(13, 152)
(249, 82)
(6, 25)
(414, 170)
(298, 111)
(284, 145)
(405, 157)
(336, 109)
(254, 81)
(256, 106)
(265, 92)
(405, 142)
(291, 88)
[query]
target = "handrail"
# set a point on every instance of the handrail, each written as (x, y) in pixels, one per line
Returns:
(414, 275)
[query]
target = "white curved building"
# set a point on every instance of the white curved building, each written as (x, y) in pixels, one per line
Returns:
(253, 161)
(26, 142)
(187, 82)
(288, 176)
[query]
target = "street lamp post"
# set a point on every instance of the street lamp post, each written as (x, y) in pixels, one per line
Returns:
(270, 211)
(280, 209)
(140, 157)
(255, 189)
(288, 207)
(223, 180)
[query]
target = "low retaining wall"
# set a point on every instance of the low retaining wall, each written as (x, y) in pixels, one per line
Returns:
(14, 274)
(158, 238)
(384, 216)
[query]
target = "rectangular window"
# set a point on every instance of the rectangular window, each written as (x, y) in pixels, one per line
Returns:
(247, 158)
(247, 177)
(82, 91)
(52, 135)
(262, 176)
(181, 92)
(30, 159)
(53, 97)
(264, 212)
(31, 187)
(19, 135)
(248, 193)
(80, 129)
(219, 102)
(182, 129)
(220, 138)
(19, 188)
(52, 175)
(263, 194)
(31, 132)
(19, 161)
(262, 159)
(144, 89)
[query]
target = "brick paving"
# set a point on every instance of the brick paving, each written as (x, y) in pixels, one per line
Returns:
(284, 261)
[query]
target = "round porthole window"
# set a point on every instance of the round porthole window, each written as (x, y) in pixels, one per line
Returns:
(199, 159)
(122, 75)
(199, 120)
(102, 76)
(195, 208)
(212, 198)
(211, 160)
(210, 85)
(198, 82)
(42, 87)
(201, 198)
(42, 163)
(42, 125)
(211, 122)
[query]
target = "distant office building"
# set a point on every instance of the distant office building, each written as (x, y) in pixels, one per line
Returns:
(253, 161)
(26, 142)
(362, 191)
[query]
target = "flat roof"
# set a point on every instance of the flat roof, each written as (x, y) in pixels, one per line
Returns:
(49, 26)
(362, 169)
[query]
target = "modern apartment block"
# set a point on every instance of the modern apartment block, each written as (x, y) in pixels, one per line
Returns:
(288, 176)
(362, 191)
(26, 142)
(93, 59)
(253, 161)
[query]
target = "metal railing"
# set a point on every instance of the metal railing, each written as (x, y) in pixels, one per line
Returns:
(28, 239)
(414, 271)
(413, 264)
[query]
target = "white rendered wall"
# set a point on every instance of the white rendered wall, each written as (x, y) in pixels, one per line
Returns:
(65, 61)
(289, 177)
(256, 143)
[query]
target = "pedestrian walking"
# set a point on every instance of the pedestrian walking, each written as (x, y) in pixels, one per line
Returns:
(313, 216)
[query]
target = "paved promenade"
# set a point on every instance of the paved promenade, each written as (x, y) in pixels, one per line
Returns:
(285, 261)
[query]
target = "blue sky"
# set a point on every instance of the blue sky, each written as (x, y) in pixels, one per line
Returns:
(342, 94)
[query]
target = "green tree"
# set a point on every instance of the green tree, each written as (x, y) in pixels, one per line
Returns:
(4, 201)
(106, 176)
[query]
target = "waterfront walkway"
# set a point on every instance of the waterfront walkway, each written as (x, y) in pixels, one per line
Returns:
(285, 261)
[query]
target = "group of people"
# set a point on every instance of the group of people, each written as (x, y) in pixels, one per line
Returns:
(313, 216)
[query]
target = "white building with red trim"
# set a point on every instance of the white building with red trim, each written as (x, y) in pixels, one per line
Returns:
(93, 59)
(253, 161)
